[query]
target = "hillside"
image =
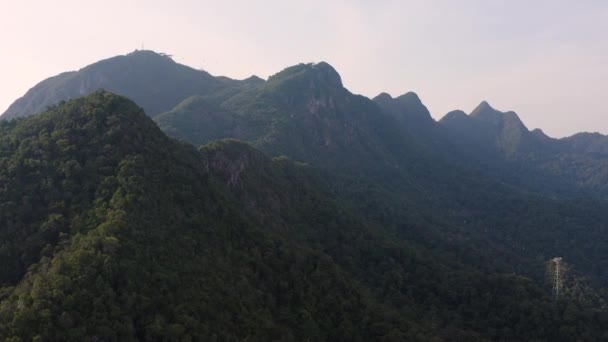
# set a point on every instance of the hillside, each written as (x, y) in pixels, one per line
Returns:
(131, 236)
(153, 80)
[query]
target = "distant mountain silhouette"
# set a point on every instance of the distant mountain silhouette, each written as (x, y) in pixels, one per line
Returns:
(153, 80)
(530, 158)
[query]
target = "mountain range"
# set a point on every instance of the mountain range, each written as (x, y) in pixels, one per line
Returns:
(289, 209)
(194, 106)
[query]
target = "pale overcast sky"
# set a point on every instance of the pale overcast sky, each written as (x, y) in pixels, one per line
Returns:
(545, 59)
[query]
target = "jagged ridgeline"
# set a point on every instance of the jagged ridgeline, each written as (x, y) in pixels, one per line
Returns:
(195, 106)
(112, 231)
(575, 166)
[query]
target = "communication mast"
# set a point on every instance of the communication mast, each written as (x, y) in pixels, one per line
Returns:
(557, 278)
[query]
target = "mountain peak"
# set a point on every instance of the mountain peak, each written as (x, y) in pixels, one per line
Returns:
(147, 55)
(538, 133)
(486, 113)
(409, 96)
(138, 52)
(254, 79)
(317, 73)
(327, 73)
(383, 97)
(482, 109)
(152, 79)
(407, 106)
(454, 116)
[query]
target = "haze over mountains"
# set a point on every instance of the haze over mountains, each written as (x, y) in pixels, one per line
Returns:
(289, 209)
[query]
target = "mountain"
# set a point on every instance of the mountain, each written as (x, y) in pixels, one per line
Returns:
(333, 217)
(402, 170)
(407, 107)
(127, 235)
(303, 112)
(505, 132)
(503, 144)
(112, 231)
(495, 143)
(153, 80)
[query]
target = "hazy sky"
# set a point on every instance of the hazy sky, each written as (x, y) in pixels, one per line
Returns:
(546, 60)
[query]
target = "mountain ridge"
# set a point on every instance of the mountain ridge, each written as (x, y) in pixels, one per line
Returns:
(162, 56)
(497, 143)
(136, 75)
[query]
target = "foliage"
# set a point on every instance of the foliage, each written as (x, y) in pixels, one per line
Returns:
(385, 226)
(144, 238)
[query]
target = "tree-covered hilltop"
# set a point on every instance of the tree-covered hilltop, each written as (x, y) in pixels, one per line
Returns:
(112, 231)
(153, 80)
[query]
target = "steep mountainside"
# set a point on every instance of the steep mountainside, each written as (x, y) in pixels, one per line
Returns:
(407, 107)
(303, 112)
(153, 80)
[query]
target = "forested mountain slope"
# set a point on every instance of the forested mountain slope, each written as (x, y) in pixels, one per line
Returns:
(111, 230)
(335, 217)
(200, 108)
(391, 161)
(153, 80)
(303, 112)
